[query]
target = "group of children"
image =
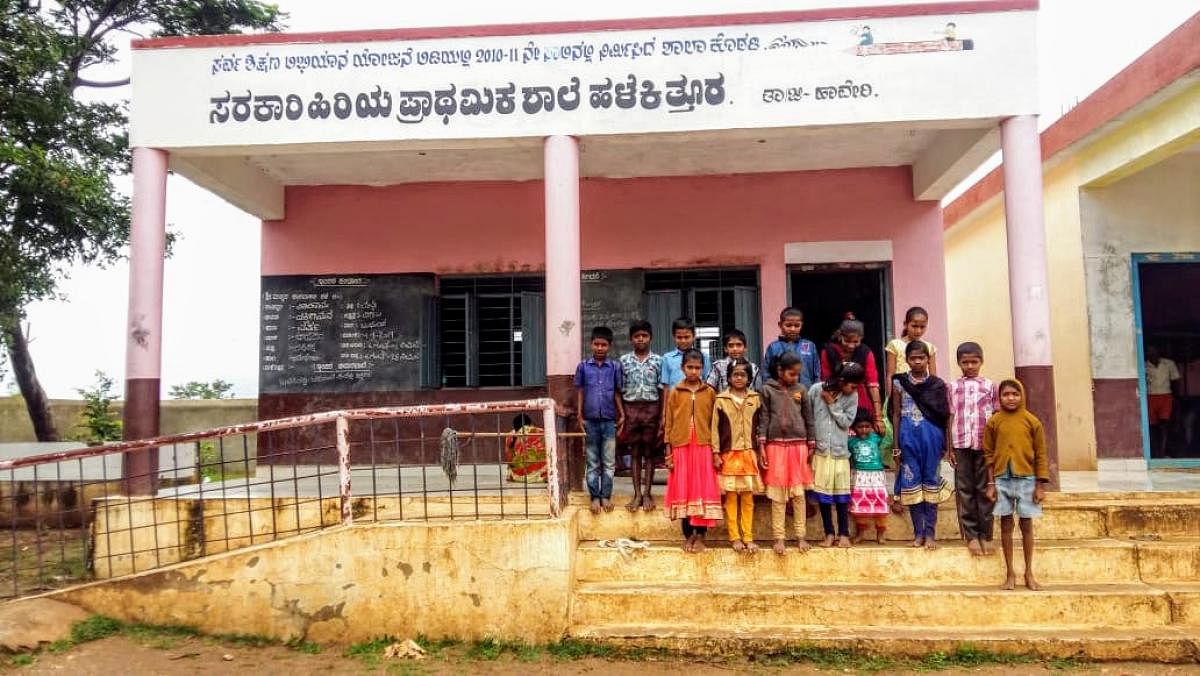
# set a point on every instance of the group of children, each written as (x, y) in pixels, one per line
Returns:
(810, 425)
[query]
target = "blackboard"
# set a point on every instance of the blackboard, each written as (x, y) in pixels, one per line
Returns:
(342, 333)
(611, 298)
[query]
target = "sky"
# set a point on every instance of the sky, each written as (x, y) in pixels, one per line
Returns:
(211, 281)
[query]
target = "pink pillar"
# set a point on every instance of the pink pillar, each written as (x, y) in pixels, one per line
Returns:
(143, 340)
(1027, 273)
(773, 295)
(562, 281)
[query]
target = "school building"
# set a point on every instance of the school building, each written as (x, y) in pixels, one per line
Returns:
(1122, 213)
(446, 212)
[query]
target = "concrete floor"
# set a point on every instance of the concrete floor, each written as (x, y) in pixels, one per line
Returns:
(322, 480)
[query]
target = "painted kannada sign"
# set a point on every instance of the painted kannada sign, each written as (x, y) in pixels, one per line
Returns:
(681, 79)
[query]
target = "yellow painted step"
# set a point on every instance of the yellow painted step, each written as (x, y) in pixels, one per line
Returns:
(726, 607)
(1058, 562)
(1065, 523)
(1158, 644)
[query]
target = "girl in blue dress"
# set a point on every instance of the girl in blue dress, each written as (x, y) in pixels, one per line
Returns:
(920, 410)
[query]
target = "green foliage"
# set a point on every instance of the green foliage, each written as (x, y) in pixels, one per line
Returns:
(100, 422)
(369, 652)
(436, 646)
(94, 628)
(22, 660)
(217, 389)
(574, 649)
(307, 647)
(58, 153)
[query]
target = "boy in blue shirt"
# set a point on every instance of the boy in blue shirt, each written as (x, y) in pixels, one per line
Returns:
(791, 320)
(683, 330)
(598, 385)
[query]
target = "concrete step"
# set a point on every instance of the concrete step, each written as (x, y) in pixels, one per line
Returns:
(1107, 561)
(746, 606)
(1158, 644)
(1059, 524)
(1057, 562)
(1062, 520)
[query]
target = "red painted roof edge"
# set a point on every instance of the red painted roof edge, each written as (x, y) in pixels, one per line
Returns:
(1171, 58)
(830, 14)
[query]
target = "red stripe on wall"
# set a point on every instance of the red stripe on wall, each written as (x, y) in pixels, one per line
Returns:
(1172, 58)
(700, 21)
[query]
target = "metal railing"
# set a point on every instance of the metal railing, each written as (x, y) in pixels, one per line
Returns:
(78, 515)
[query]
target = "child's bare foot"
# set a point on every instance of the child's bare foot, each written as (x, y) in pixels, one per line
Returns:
(802, 545)
(698, 545)
(843, 541)
(751, 548)
(634, 503)
(738, 546)
(595, 506)
(648, 503)
(1010, 582)
(827, 542)
(918, 541)
(687, 544)
(930, 543)
(857, 539)
(988, 549)
(1030, 583)
(780, 547)
(607, 504)
(974, 547)
(879, 532)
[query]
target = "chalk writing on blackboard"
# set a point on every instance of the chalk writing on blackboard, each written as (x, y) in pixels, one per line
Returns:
(342, 333)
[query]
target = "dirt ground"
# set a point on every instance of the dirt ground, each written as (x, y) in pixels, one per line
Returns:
(190, 655)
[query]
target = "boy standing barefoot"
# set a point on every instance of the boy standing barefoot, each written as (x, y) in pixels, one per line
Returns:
(1014, 444)
(972, 401)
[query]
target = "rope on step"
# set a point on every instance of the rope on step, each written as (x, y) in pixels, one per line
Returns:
(626, 546)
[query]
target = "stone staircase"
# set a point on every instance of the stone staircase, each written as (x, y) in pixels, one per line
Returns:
(1121, 571)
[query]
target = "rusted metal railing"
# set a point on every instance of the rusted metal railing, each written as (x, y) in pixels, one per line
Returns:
(75, 515)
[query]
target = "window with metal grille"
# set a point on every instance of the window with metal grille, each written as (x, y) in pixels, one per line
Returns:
(717, 300)
(491, 331)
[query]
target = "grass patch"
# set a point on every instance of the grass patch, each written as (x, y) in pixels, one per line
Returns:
(214, 468)
(435, 647)
(574, 649)
(307, 647)
(94, 628)
(369, 652)
(967, 656)
(246, 640)
(22, 660)
(490, 649)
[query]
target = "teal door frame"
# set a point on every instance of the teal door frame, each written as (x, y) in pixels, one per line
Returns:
(1139, 339)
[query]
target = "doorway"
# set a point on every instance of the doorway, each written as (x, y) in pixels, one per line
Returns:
(825, 293)
(1168, 321)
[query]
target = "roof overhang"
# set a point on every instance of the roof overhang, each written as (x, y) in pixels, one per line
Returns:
(920, 85)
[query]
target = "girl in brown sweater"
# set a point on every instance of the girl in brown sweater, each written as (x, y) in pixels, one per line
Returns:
(692, 495)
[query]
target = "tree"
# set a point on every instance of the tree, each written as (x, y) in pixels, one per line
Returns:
(58, 207)
(99, 420)
(217, 389)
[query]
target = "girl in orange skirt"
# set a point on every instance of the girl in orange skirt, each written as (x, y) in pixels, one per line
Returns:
(734, 428)
(784, 433)
(692, 495)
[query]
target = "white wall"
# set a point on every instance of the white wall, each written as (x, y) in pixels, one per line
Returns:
(1154, 211)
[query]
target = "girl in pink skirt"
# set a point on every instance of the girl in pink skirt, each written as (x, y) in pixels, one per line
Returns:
(693, 495)
(784, 431)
